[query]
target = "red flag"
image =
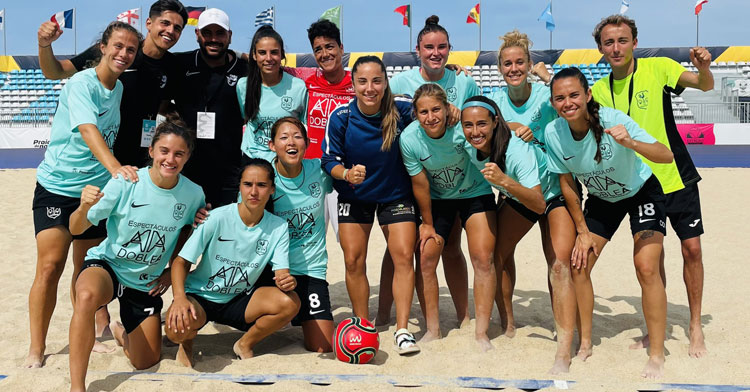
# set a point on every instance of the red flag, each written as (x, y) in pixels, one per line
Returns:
(473, 15)
(699, 6)
(405, 10)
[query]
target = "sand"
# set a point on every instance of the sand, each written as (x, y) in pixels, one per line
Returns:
(617, 320)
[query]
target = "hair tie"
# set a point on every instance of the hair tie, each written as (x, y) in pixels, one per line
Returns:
(480, 104)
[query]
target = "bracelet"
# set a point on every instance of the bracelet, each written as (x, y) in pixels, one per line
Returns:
(346, 171)
(45, 46)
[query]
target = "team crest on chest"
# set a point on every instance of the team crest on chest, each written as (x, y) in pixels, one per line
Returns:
(641, 99)
(53, 212)
(314, 189)
(537, 116)
(606, 150)
(179, 211)
(261, 247)
(459, 149)
(287, 102)
(163, 81)
(452, 95)
(232, 80)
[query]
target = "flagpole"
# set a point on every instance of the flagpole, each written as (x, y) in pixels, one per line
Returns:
(696, 29)
(75, 33)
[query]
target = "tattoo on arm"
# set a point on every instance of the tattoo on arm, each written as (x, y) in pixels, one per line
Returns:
(647, 234)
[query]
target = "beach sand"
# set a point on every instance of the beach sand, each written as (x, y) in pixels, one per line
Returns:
(618, 320)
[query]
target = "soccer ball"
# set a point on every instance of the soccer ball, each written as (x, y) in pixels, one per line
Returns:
(355, 340)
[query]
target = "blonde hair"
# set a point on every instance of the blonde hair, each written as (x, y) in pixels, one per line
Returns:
(517, 39)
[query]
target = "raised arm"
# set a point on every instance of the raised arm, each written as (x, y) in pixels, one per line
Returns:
(704, 79)
(52, 68)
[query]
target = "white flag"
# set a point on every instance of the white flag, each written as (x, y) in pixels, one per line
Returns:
(130, 17)
(624, 6)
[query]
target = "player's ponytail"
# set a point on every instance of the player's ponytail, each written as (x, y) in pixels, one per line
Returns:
(254, 79)
(388, 109)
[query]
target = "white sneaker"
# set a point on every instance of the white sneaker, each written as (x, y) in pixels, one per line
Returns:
(405, 342)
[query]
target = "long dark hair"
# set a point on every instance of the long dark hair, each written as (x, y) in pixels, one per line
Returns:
(500, 134)
(388, 109)
(431, 25)
(592, 107)
(254, 80)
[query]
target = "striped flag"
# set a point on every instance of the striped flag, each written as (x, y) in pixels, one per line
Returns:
(265, 18)
(699, 6)
(193, 14)
(63, 19)
(473, 15)
(624, 7)
(130, 17)
(547, 18)
(405, 10)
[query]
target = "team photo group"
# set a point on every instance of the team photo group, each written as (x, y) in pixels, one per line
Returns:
(215, 175)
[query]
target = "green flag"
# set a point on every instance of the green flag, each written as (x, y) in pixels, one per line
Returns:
(334, 15)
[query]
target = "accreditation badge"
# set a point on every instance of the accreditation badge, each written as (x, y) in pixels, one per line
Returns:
(206, 125)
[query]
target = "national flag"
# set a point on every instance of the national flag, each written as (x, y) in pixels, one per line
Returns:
(265, 18)
(547, 18)
(2, 19)
(63, 19)
(405, 10)
(334, 15)
(473, 15)
(130, 17)
(193, 14)
(624, 7)
(699, 6)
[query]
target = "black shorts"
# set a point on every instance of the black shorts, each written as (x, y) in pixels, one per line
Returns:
(531, 216)
(444, 211)
(646, 209)
(51, 209)
(316, 302)
(135, 305)
(684, 212)
(364, 212)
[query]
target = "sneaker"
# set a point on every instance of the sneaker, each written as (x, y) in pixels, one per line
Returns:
(405, 342)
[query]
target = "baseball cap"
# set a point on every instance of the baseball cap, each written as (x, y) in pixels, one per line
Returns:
(213, 16)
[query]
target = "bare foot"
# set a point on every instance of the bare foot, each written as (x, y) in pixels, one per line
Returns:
(510, 331)
(561, 365)
(243, 353)
(33, 361)
(102, 348)
(103, 332)
(584, 351)
(484, 343)
(118, 331)
(462, 323)
(430, 336)
(654, 368)
(643, 343)
(185, 354)
(697, 347)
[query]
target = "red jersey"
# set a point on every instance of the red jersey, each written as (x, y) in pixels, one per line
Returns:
(322, 99)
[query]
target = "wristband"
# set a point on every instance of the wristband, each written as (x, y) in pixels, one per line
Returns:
(346, 171)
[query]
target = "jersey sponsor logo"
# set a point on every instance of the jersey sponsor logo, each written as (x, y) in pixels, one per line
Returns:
(133, 205)
(287, 102)
(228, 277)
(695, 223)
(261, 247)
(232, 80)
(448, 177)
(606, 150)
(191, 73)
(605, 186)
(53, 212)
(224, 239)
(641, 99)
(263, 132)
(452, 93)
(147, 241)
(318, 114)
(163, 81)
(301, 225)
(179, 211)
(315, 190)
(425, 159)
(103, 113)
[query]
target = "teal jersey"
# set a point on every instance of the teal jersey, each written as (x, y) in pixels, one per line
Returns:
(287, 98)
(68, 163)
(301, 202)
(448, 165)
(619, 175)
(535, 113)
(233, 254)
(458, 88)
(143, 223)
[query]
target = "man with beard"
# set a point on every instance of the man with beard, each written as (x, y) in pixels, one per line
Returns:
(207, 102)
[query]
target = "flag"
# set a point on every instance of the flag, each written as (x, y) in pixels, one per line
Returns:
(624, 6)
(265, 18)
(699, 6)
(405, 10)
(473, 15)
(130, 17)
(2, 19)
(334, 15)
(63, 19)
(193, 14)
(546, 17)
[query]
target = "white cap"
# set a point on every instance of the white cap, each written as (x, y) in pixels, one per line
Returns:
(213, 16)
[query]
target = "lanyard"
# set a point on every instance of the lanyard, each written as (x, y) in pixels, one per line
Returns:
(630, 88)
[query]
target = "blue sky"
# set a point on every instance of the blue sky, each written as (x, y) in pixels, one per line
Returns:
(373, 26)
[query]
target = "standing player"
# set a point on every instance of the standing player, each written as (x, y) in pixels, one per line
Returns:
(447, 187)
(79, 153)
(599, 146)
(267, 94)
(235, 244)
(433, 48)
(144, 221)
(641, 88)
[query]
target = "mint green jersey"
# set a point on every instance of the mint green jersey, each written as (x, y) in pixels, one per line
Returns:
(233, 254)
(301, 202)
(449, 169)
(287, 98)
(535, 113)
(458, 88)
(143, 223)
(69, 165)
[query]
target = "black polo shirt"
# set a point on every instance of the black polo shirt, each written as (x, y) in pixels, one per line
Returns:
(145, 83)
(215, 163)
